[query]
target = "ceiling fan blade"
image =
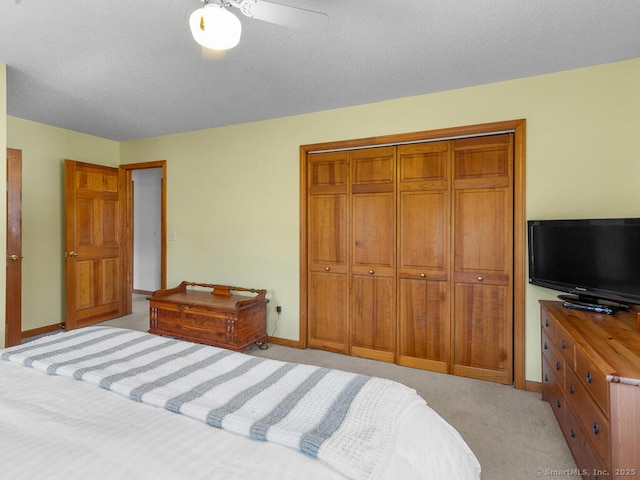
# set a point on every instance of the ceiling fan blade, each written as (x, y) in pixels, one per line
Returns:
(289, 16)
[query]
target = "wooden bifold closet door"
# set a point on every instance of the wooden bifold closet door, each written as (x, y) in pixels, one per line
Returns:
(410, 252)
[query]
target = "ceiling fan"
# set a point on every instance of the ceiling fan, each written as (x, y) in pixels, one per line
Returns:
(216, 28)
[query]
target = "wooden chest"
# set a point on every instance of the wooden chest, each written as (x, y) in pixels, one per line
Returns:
(218, 317)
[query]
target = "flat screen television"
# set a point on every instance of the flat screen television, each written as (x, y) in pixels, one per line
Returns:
(593, 260)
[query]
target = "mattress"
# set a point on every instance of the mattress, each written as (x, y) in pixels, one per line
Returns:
(59, 427)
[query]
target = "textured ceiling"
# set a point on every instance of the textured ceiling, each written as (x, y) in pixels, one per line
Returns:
(123, 69)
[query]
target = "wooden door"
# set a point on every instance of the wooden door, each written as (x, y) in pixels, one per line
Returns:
(483, 258)
(95, 205)
(373, 247)
(423, 255)
(13, 305)
(328, 246)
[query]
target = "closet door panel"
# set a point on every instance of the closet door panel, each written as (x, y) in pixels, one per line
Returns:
(328, 252)
(423, 255)
(373, 232)
(328, 173)
(482, 337)
(328, 231)
(423, 329)
(373, 253)
(329, 309)
(373, 170)
(481, 218)
(373, 318)
(482, 232)
(423, 229)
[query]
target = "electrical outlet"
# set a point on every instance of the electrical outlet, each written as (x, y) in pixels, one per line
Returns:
(279, 309)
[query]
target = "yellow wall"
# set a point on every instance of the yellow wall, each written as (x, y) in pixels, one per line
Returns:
(233, 195)
(3, 205)
(44, 149)
(233, 192)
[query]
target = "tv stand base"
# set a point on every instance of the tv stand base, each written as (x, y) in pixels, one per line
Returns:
(590, 305)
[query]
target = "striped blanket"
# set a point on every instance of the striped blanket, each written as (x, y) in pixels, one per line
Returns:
(344, 419)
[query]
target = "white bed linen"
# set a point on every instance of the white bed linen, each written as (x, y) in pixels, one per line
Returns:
(53, 427)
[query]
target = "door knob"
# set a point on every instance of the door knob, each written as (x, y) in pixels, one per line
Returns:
(73, 253)
(14, 258)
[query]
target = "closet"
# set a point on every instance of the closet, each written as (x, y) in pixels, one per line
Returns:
(410, 254)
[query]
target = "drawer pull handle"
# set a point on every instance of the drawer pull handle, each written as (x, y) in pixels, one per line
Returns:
(564, 345)
(558, 403)
(546, 322)
(571, 389)
(422, 275)
(589, 378)
(557, 365)
(545, 345)
(596, 430)
(326, 269)
(371, 272)
(573, 432)
(546, 377)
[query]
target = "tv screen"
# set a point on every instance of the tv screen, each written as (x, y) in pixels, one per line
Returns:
(594, 259)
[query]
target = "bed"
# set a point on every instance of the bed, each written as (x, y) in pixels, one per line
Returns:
(111, 403)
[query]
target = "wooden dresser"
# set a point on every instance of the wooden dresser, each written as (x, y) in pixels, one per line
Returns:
(591, 378)
(218, 317)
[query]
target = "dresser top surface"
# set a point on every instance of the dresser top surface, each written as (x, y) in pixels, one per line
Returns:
(611, 341)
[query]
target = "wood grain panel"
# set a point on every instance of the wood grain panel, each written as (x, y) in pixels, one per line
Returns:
(109, 284)
(482, 333)
(373, 170)
(329, 310)
(328, 231)
(85, 294)
(373, 317)
(423, 328)
(328, 172)
(423, 230)
(373, 230)
(482, 222)
(111, 222)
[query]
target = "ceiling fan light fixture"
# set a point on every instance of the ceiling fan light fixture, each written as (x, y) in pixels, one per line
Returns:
(214, 27)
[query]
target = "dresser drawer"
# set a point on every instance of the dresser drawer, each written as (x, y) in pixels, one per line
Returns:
(553, 356)
(565, 345)
(595, 425)
(593, 380)
(553, 392)
(548, 325)
(583, 453)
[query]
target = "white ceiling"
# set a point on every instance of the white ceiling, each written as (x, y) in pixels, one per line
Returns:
(129, 69)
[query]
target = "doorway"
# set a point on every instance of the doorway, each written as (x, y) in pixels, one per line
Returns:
(149, 201)
(147, 225)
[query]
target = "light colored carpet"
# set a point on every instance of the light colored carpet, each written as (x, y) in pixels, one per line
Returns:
(513, 433)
